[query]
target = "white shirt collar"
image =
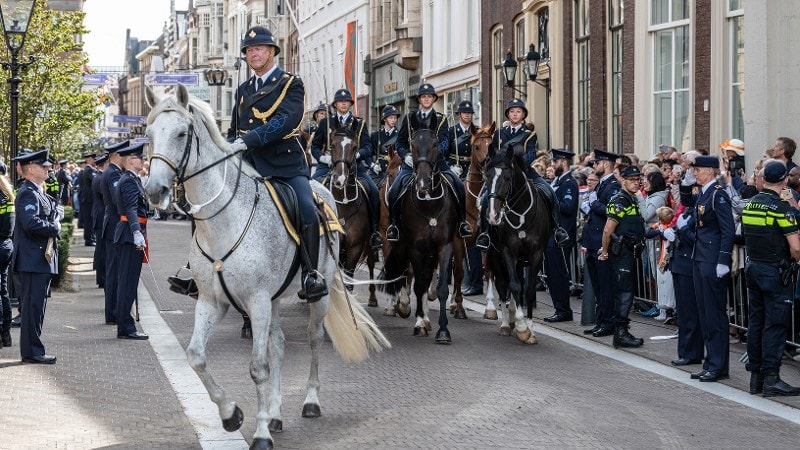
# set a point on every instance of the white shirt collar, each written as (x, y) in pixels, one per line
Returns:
(265, 77)
(605, 177)
(707, 185)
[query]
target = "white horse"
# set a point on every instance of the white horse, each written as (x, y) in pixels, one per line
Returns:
(241, 249)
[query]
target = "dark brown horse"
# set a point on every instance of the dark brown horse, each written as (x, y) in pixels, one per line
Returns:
(519, 225)
(351, 206)
(427, 233)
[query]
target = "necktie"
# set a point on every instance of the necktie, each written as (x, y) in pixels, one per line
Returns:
(259, 84)
(424, 115)
(513, 131)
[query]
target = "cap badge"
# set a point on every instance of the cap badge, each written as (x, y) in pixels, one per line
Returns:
(252, 33)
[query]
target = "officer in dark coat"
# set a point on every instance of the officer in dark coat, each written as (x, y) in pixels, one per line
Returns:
(711, 256)
(267, 114)
(109, 182)
(770, 233)
(460, 136)
(35, 255)
(64, 182)
(600, 270)
(85, 198)
(98, 213)
(130, 238)
(556, 267)
(426, 96)
(340, 117)
(383, 139)
(7, 219)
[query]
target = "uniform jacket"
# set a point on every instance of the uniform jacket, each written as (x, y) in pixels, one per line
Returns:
(439, 123)
(526, 143)
(85, 185)
(131, 204)
(98, 203)
(64, 183)
(714, 227)
(596, 221)
(567, 197)
(109, 186)
(380, 151)
(460, 146)
(34, 224)
(7, 217)
(268, 121)
(319, 144)
(681, 261)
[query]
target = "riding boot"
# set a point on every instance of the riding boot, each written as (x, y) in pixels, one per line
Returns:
(464, 230)
(623, 338)
(185, 286)
(756, 382)
(773, 385)
(392, 232)
(314, 286)
(375, 240)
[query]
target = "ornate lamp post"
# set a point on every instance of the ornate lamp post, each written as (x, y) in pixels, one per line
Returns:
(16, 16)
(216, 77)
(532, 60)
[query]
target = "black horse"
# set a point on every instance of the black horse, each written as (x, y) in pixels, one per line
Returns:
(519, 226)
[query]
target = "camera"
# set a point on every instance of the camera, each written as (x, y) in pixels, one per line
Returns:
(736, 164)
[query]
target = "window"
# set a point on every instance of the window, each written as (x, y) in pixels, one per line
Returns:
(542, 20)
(671, 102)
(736, 26)
(582, 76)
(498, 81)
(615, 8)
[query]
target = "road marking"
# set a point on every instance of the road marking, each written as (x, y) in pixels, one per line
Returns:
(735, 395)
(198, 407)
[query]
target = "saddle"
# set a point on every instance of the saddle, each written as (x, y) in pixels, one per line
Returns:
(548, 194)
(286, 201)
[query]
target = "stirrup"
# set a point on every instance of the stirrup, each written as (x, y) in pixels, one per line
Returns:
(376, 241)
(464, 230)
(392, 233)
(482, 242)
(560, 236)
(314, 286)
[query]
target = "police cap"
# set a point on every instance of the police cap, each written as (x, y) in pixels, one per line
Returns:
(630, 172)
(259, 36)
(602, 155)
(427, 88)
(343, 95)
(389, 110)
(101, 158)
(111, 148)
(516, 103)
(774, 171)
(465, 107)
(133, 150)
(27, 156)
(706, 161)
(560, 153)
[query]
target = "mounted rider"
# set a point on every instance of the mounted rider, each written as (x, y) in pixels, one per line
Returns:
(524, 142)
(265, 123)
(382, 140)
(460, 136)
(426, 96)
(320, 150)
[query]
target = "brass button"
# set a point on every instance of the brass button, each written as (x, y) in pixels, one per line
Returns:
(250, 121)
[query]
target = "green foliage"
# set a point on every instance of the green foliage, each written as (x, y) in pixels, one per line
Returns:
(54, 110)
(67, 229)
(69, 214)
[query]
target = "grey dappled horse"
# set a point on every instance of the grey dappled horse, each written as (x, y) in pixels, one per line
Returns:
(248, 255)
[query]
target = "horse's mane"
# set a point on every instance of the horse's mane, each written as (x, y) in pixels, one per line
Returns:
(202, 110)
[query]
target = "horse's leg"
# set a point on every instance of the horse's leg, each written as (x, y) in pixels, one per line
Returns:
(207, 314)
(506, 307)
(421, 284)
(432, 294)
(402, 303)
(521, 328)
(316, 334)
(276, 352)
(260, 317)
(490, 312)
(373, 300)
(458, 277)
(442, 290)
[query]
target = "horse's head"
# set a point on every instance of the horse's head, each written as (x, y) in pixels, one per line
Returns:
(343, 148)
(482, 139)
(424, 152)
(500, 166)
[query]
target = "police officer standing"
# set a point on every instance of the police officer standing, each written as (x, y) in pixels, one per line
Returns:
(85, 198)
(35, 256)
(267, 115)
(342, 116)
(556, 267)
(109, 182)
(382, 140)
(623, 238)
(64, 182)
(98, 212)
(7, 218)
(130, 239)
(770, 233)
(711, 256)
(460, 136)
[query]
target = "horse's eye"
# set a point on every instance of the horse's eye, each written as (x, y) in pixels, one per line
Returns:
(182, 134)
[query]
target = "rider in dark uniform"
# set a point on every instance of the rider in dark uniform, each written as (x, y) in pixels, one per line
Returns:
(770, 233)
(382, 140)
(267, 116)
(426, 96)
(98, 212)
(460, 136)
(341, 116)
(623, 238)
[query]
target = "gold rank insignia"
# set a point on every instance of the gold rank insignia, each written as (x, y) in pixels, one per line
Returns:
(790, 217)
(252, 34)
(701, 209)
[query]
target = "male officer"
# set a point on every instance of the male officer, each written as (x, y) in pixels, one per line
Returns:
(109, 182)
(85, 198)
(64, 181)
(770, 233)
(130, 239)
(556, 267)
(98, 213)
(35, 255)
(268, 113)
(426, 96)
(460, 136)
(600, 269)
(342, 116)
(382, 140)
(524, 141)
(711, 256)
(625, 227)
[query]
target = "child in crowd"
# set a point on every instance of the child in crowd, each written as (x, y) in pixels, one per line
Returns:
(666, 294)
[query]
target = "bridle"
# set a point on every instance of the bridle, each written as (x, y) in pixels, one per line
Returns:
(350, 165)
(423, 159)
(514, 195)
(479, 164)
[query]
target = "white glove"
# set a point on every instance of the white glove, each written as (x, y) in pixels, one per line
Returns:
(325, 159)
(456, 170)
(683, 220)
(359, 156)
(238, 145)
(58, 227)
(722, 270)
(689, 178)
(376, 168)
(585, 207)
(138, 239)
(592, 197)
(59, 213)
(669, 234)
(409, 161)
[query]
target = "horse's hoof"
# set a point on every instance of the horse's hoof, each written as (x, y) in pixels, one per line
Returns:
(234, 422)
(490, 314)
(523, 336)
(427, 326)
(275, 426)
(420, 331)
(373, 302)
(311, 410)
(443, 337)
(531, 340)
(389, 312)
(403, 312)
(261, 444)
(247, 333)
(453, 308)
(505, 331)
(460, 314)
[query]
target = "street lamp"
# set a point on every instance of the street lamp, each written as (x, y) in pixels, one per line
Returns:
(532, 61)
(216, 77)
(16, 16)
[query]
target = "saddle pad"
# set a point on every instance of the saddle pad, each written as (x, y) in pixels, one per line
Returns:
(291, 228)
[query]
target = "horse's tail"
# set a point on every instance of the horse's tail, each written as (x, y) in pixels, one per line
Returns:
(353, 335)
(394, 270)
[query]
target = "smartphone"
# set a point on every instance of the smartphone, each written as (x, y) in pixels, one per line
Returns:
(662, 148)
(786, 194)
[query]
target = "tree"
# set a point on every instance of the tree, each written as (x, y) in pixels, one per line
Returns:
(53, 108)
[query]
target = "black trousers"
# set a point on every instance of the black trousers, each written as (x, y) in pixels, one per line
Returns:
(130, 267)
(33, 297)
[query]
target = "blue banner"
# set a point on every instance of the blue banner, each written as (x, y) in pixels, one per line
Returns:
(129, 119)
(191, 79)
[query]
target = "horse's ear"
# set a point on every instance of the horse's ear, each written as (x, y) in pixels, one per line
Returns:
(412, 121)
(355, 126)
(510, 152)
(493, 128)
(150, 96)
(183, 95)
